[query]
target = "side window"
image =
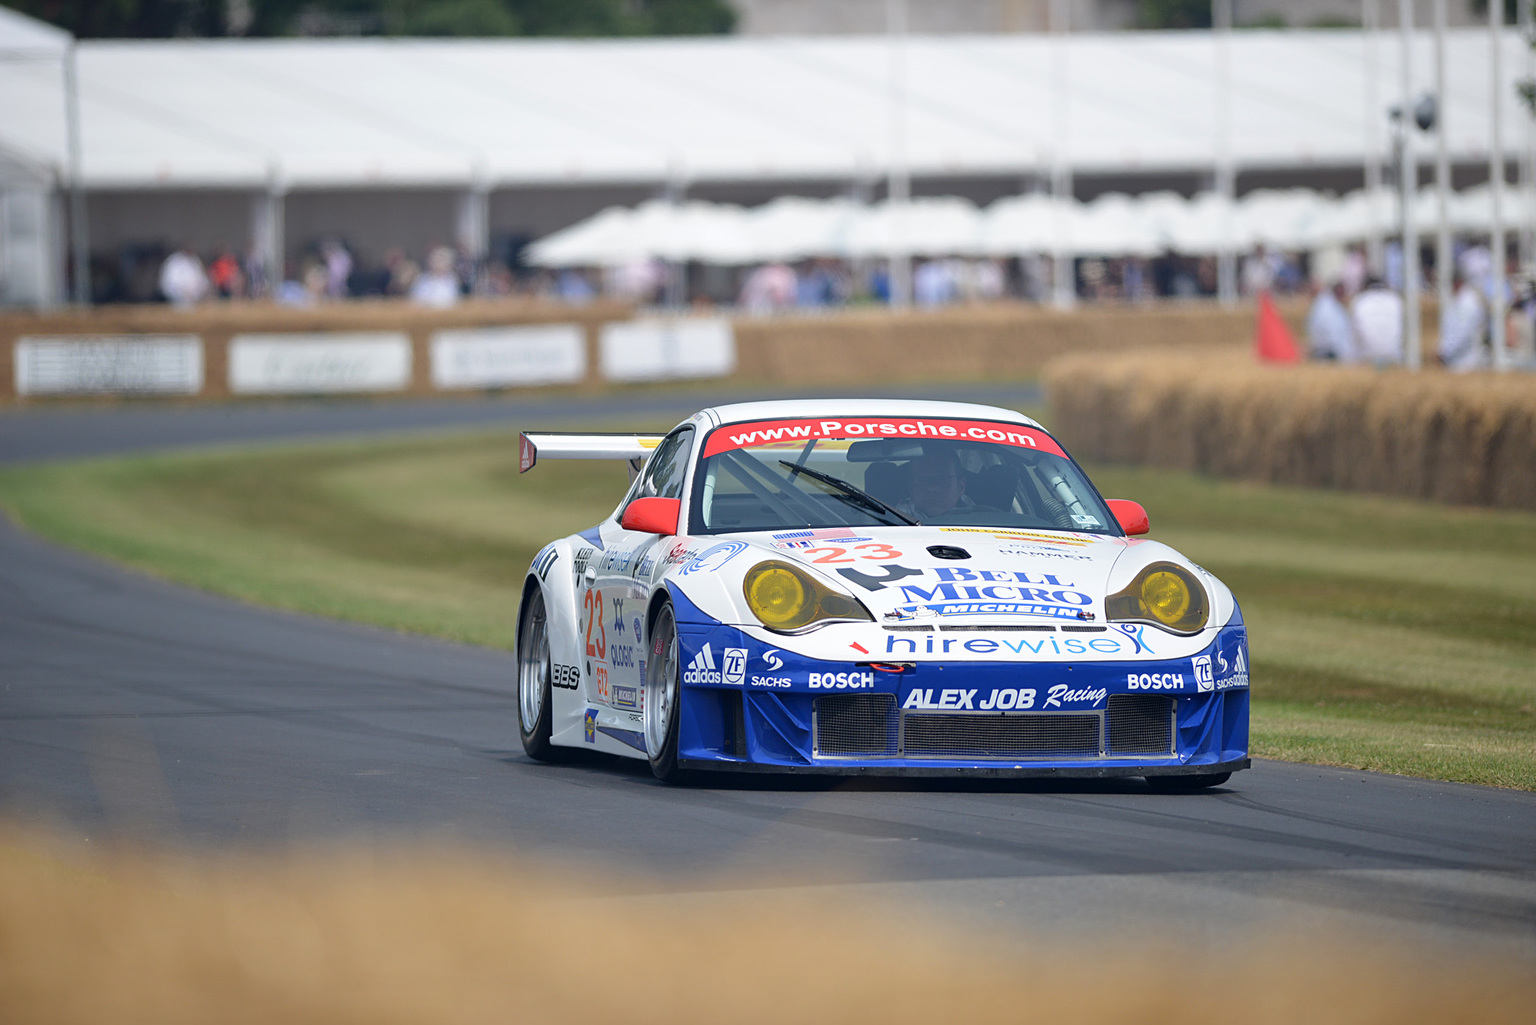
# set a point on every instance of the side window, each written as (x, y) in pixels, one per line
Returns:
(665, 470)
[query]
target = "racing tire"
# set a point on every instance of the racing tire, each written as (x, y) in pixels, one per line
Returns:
(534, 714)
(663, 693)
(1180, 784)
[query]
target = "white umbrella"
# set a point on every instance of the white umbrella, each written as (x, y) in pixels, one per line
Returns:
(591, 242)
(1025, 224)
(794, 228)
(1114, 225)
(928, 226)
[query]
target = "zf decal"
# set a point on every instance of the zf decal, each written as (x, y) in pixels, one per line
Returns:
(544, 560)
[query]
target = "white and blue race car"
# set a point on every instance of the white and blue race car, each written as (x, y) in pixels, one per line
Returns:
(852, 587)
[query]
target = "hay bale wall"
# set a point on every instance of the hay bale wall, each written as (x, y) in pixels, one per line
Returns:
(1462, 438)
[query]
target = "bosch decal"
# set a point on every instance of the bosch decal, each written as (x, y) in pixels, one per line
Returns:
(841, 681)
(1165, 681)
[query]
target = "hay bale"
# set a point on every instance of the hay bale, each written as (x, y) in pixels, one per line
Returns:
(1468, 439)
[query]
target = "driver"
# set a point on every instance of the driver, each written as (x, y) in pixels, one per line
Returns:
(938, 486)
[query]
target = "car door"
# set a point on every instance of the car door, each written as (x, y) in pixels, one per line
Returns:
(621, 586)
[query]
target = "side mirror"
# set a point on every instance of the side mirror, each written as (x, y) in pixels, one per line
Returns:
(1132, 517)
(653, 515)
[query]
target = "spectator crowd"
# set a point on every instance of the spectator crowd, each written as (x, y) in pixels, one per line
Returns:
(1358, 317)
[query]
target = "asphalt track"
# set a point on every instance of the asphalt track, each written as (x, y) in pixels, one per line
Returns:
(129, 704)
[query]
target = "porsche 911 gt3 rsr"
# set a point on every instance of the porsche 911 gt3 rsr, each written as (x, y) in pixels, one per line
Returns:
(852, 587)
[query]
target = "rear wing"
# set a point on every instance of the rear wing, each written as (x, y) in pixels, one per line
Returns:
(633, 448)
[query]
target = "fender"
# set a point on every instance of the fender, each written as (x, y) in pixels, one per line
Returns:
(553, 571)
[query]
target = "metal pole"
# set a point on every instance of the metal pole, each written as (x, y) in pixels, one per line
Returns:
(1063, 279)
(79, 235)
(1444, 272)
(1528, 151)
(1408, 172)
(1226, 177)
(1370, 21)
(900, 190)
(1496, 181)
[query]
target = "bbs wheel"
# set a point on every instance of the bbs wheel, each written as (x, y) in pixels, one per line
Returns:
(533, 677)
(662, 694)
(1201, 781)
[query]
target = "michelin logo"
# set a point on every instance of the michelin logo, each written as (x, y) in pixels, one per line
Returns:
(702, 668)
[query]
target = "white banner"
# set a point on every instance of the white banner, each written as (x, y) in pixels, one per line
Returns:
(653, 350)
(331, 361)
(109, 364)
(500, 357)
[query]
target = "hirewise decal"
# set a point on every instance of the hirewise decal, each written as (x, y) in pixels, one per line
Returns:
(767, 432)
(1001, 645)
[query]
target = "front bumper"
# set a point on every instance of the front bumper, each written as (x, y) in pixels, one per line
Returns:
(745, 707)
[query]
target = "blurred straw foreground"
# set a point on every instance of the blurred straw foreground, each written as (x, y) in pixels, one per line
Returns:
(348, 935)
(1468, 439)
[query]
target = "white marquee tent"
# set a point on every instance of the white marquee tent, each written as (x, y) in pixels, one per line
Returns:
(469, 113)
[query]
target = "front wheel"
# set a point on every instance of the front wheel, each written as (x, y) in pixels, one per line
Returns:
(533, 678)
(1200, 781)
(662, 697)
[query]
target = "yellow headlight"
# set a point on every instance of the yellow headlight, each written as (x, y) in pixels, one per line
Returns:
(1162, 594)
(777, 596)
(1166, 596)
(785, 597)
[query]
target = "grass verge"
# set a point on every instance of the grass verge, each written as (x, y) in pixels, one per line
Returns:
(1386, 634)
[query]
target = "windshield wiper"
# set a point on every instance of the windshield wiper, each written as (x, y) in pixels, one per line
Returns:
(849, 489)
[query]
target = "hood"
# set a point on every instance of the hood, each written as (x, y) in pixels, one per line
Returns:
(958, 573)
(947, 579)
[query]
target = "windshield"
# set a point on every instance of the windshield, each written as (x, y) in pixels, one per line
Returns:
(867, 471)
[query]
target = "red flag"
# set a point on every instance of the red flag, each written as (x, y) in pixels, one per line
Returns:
(1273, 340)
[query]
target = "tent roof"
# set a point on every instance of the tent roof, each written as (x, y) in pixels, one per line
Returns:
(24, 36)
(372, 112)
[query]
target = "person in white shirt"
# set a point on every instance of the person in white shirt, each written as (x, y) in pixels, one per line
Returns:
(439, 285)
(183, 281)
(1330, 331)
(1377, 313)
(1464, 337)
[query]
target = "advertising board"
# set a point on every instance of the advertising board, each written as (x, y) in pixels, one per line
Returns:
(109, 365)
(506, 357)
(662, 349)
(320, 362)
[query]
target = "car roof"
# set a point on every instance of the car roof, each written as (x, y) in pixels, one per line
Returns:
(783, 409)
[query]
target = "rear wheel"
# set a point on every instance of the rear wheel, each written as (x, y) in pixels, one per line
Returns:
(1200, 781)
(662, 694)
(533, 677)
